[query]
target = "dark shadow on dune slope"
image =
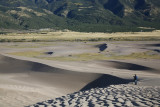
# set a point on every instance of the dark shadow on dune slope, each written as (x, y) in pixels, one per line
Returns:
(49, 53)
(38, 67)
(155, 45)
(102, 47)
(157, 50)
(36, 73)
(11, 65)
(129, 66)
(104, 81)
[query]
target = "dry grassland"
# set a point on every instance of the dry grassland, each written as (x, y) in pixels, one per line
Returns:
(79, 36)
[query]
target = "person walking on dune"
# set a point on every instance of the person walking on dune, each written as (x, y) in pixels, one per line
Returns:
(135, 79)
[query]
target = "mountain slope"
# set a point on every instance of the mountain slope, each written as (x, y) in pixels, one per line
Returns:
(82, 15)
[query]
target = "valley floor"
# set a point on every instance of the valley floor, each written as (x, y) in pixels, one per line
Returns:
(84, 73)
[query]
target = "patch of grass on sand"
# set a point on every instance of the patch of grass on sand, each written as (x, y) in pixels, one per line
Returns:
(99, 56)
(34, 45)
(79, 57)
(23, 46)
(28, 53)
(140, 55)
(88, 56)
(76, 57)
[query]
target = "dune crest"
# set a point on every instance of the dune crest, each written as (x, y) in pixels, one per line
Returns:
(29, 82)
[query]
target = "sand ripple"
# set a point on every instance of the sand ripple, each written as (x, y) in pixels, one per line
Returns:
(112, 96)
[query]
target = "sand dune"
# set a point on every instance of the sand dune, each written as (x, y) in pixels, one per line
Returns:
(128, 66)
(24, 83)
(153, 45)
(29, 82)
(112, 96)
(105, 81)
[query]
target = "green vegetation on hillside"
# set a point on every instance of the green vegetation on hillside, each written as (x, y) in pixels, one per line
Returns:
(83, 16)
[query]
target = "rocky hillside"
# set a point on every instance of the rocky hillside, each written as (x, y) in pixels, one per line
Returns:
(82, 15)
